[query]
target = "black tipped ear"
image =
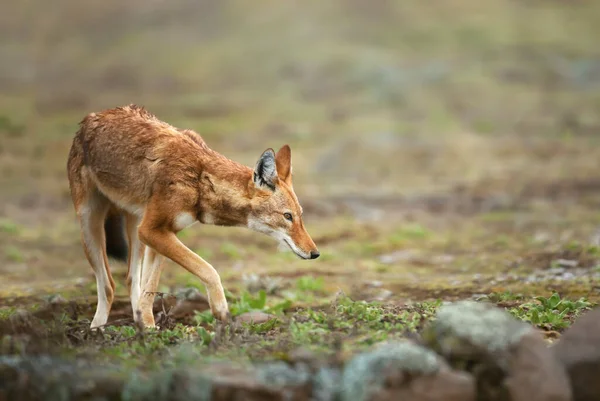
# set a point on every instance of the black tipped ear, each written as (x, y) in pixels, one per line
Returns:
(265, 171)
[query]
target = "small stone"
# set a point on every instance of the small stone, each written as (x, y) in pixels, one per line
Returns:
(191, 294)
(566, 263)
(56, 299)
(382, 295)
(442, 259)
(20, 316)
(578, 351)
(255, 283)
(541, 236)
(255, 317)
(404, 255)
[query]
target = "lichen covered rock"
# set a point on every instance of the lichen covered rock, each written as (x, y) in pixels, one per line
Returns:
(45, 378)
(467, 327)
(404, 370)
(507, 357)
(179, 385)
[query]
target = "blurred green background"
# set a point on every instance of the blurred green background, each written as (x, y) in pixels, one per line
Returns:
(473, 123)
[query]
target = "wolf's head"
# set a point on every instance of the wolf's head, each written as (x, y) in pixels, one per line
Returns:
(275, 207)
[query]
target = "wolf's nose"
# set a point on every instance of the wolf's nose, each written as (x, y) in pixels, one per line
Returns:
(314, 254)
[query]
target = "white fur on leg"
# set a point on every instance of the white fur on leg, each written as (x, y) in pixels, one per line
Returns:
(135, 270)
(150, 263)
(101, 316)
(150, 271)
(97, 261)
(216, 295)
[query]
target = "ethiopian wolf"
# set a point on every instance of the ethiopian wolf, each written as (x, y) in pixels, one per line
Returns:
(136, 181)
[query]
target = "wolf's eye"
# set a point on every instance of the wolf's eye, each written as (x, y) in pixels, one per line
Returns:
(288, 216)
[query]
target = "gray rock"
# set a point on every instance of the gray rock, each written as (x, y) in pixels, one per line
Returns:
(534, 372)
(445, 385)
(578, 350)
(255, 283)
(566, 262)
(404, 371)
(507, 357)
(190, 294)
(56, 299)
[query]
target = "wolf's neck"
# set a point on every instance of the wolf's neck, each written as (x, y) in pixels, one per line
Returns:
(224, 195)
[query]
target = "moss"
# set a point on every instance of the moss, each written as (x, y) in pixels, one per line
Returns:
(9, 227)
(58, 380)
(7, 311)
(326, 384)
(368, 370)
(176, 385)
(61, 380)
(280, 374)
(141, 388)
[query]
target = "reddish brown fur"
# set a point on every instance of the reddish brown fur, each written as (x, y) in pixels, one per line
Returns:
(126, 161)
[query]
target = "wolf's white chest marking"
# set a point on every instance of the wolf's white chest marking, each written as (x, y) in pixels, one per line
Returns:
(183, 220)
(208, 218)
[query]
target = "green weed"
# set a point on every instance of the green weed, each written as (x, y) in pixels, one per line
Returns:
(14, 254)
(258, 328)
(6, 312)
(127, 342)
(10, 127)
(310, 283)
(552, 313)
(9, 227)
(205, 336)
(205, 253)
(504, 297)
(409, 232)
(204, 317)
(231, 251)
(249, 303)
(183, 234)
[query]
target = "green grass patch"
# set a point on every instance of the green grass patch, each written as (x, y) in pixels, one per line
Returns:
(552, 313)
(14, 254)
(311, 284)
(9, 227)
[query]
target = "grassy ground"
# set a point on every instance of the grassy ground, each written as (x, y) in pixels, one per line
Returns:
(442, 151)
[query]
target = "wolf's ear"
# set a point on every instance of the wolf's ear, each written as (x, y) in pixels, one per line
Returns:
(283, 159)
(265, 171)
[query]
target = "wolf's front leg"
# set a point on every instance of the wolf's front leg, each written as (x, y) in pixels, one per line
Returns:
(151, 271)
(166, 243)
